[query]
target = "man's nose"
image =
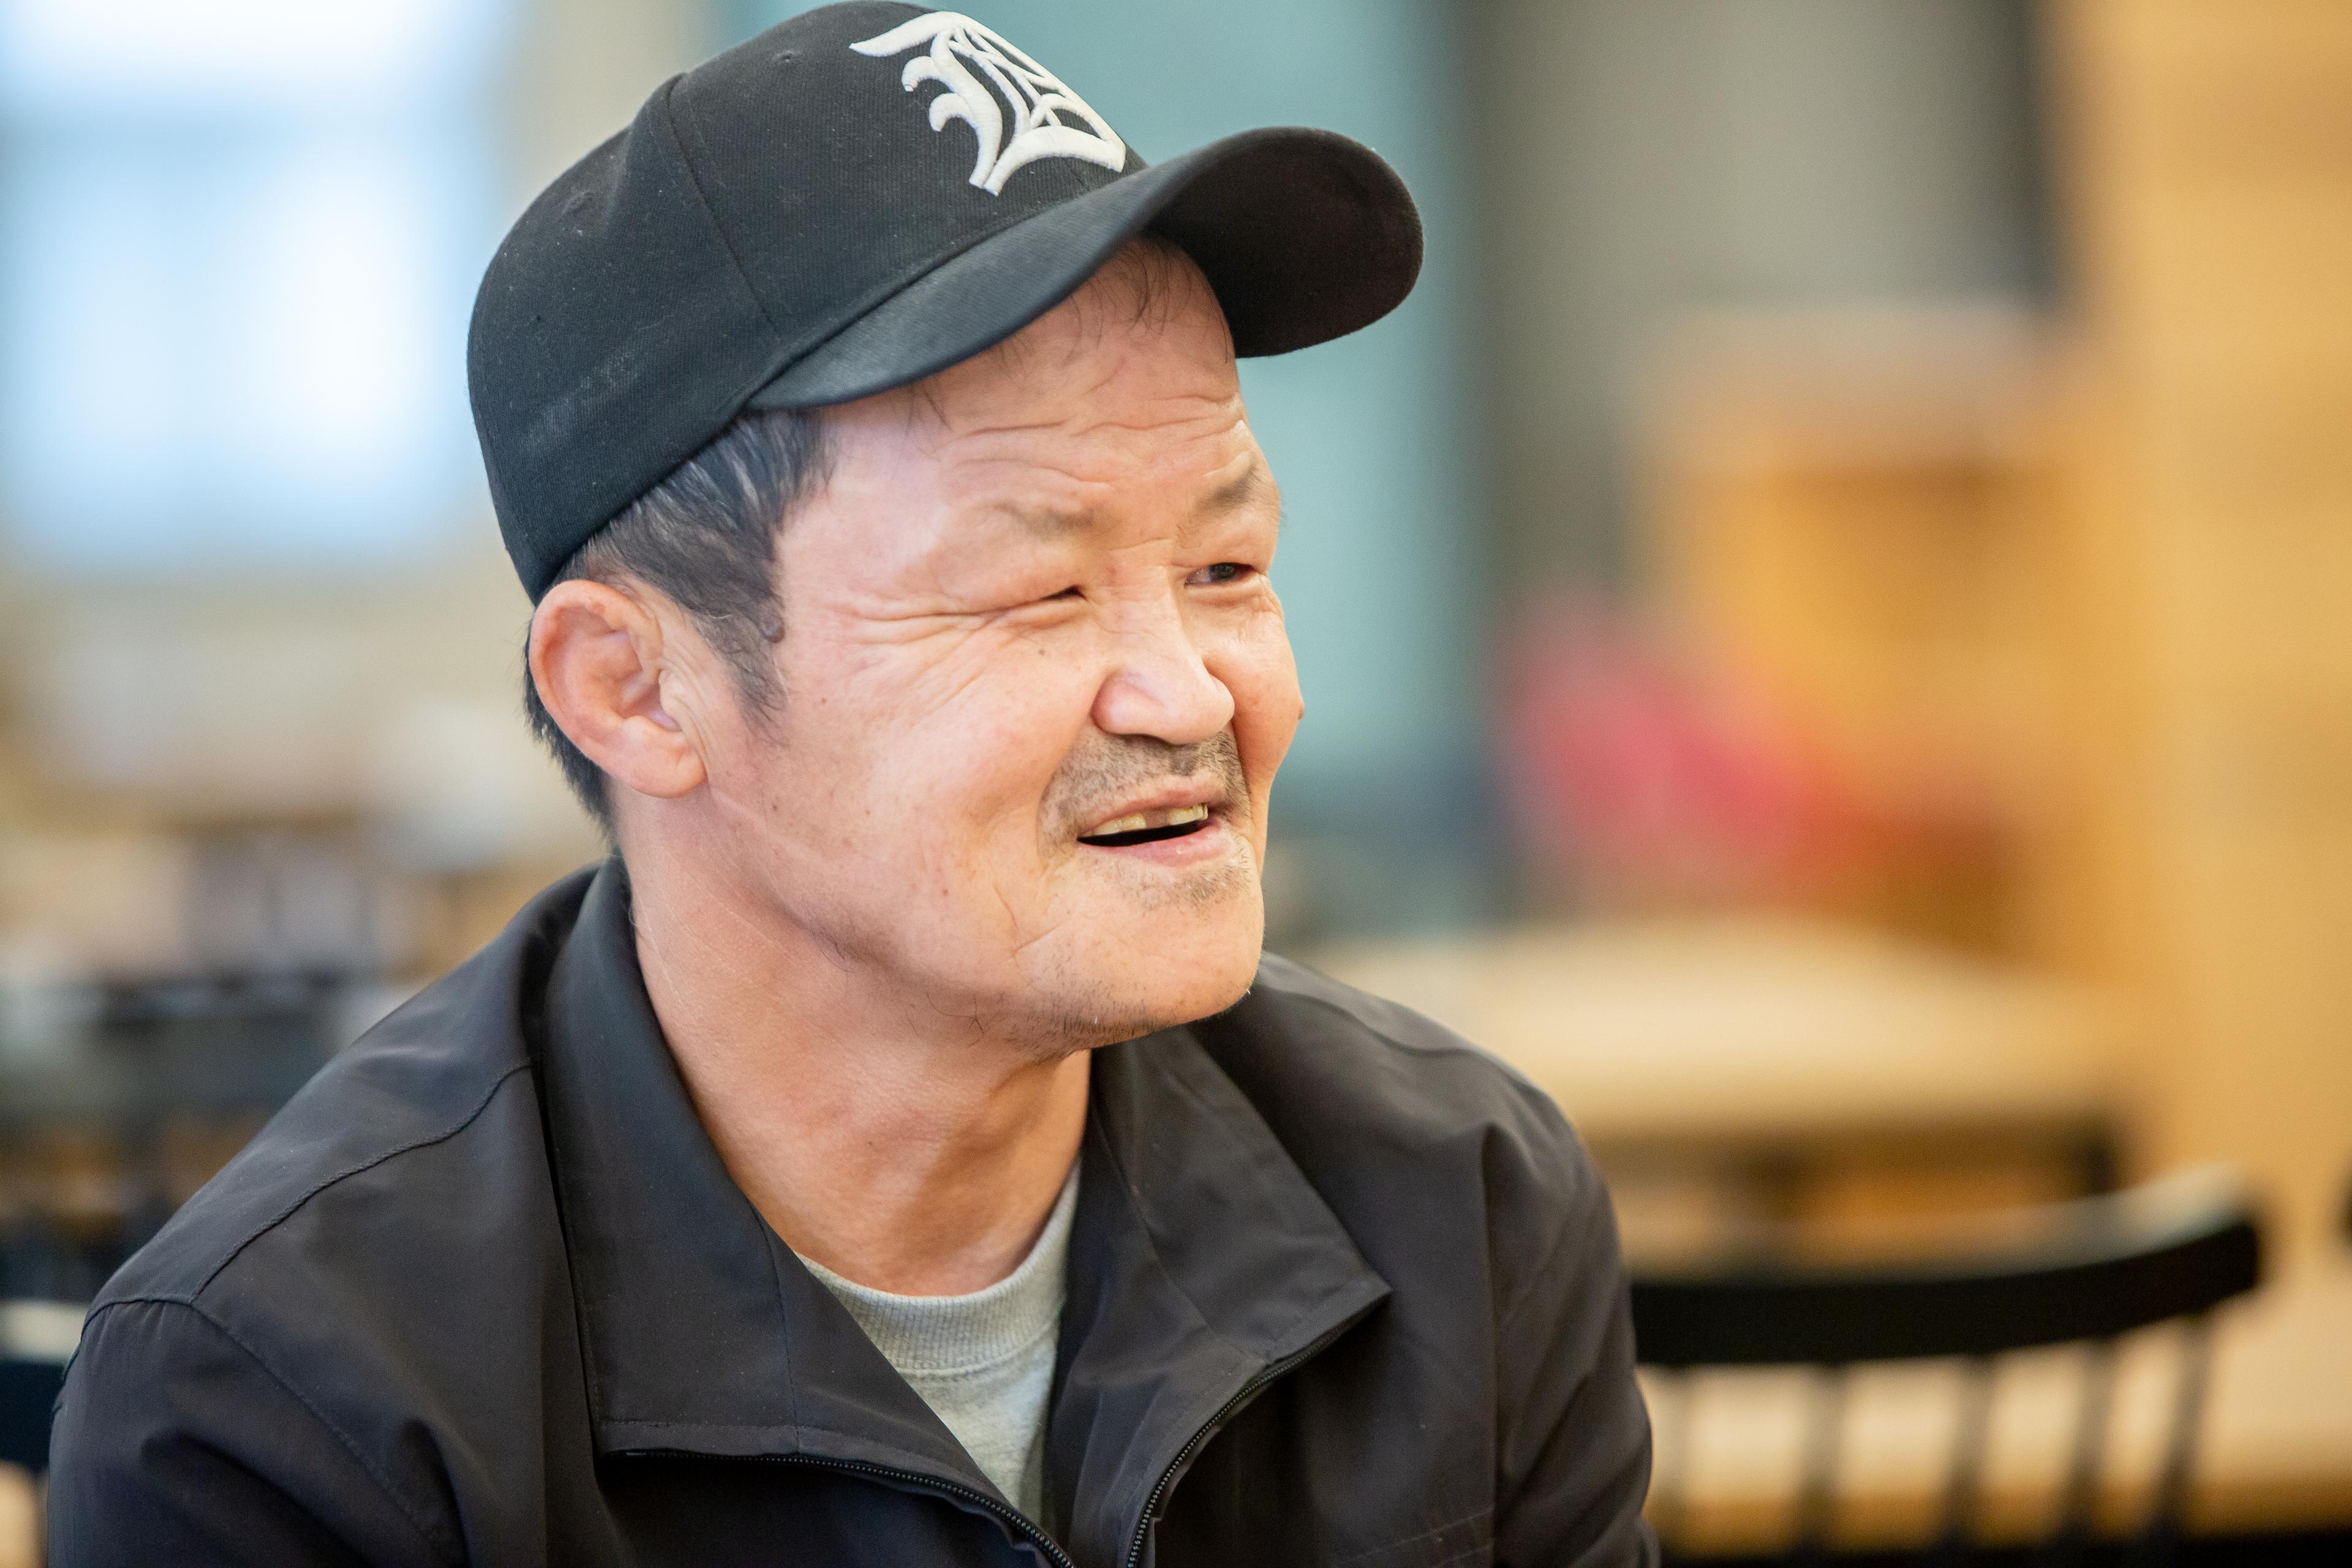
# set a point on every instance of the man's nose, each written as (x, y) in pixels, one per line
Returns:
(1158, 684)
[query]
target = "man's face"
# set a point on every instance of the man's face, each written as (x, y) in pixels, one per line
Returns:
(1036, 680)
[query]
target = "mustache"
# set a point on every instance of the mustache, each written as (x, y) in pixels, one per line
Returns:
(1099, 774)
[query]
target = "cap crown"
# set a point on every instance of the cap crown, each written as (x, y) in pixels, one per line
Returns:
(757, 205)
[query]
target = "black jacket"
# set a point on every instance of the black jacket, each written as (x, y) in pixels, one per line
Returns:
(1342, 1291)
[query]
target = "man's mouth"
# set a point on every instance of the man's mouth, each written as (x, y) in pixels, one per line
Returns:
(1147, 826)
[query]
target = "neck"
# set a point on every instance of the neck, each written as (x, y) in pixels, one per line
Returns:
(876, 1134)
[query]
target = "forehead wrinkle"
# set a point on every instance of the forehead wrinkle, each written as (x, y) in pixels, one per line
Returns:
(1253, 485)
(951, 431)
(1076, 425)
(1093, 458)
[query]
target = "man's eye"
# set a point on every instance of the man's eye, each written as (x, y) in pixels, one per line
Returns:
(1223, 572)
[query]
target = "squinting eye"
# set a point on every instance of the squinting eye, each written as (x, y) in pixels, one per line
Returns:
(1223, 572)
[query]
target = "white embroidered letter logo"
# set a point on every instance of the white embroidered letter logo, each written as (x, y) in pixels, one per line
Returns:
(1042, 106)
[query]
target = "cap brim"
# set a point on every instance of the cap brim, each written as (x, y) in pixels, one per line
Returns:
(1306, 236)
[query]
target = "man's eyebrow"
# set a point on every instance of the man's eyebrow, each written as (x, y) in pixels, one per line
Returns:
(1048, 521)
(1252, 484)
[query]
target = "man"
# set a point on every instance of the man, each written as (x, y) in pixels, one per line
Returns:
(899, 1152)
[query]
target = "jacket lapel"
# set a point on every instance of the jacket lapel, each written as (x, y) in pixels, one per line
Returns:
(1202, 1263)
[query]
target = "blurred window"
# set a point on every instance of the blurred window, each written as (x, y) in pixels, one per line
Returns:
(237, 244)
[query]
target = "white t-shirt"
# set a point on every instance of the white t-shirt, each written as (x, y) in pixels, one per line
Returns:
(983, 1363)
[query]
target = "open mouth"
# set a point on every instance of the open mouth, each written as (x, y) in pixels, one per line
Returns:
(1148, 827)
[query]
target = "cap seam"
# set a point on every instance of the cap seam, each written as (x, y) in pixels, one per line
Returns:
(681, 130)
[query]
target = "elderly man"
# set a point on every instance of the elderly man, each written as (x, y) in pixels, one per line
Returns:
(899, 1152)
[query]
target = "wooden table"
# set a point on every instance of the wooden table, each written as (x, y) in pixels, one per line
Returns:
(20, 1516)
(1757, 1027)
(1770, 1042)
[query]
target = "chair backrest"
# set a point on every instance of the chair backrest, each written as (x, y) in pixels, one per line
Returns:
(2087, 1271)
(37, 1340)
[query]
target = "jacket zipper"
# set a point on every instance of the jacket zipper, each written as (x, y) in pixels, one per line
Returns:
(1020, 1521)
(1225, 1411)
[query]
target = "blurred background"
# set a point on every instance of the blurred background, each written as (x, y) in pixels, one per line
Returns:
(1827, 618)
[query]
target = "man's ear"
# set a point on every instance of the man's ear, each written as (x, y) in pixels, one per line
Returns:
(596, 657)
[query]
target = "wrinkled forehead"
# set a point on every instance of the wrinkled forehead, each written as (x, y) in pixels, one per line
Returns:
(1133, 376)
(1104, 432)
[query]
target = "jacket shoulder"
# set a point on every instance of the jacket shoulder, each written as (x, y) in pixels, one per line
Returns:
(1415, 1136)
(172, 1439)
(420, 1077)
(1376, 1059)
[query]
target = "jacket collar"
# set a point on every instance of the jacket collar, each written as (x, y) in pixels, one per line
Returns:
(1201, 1262)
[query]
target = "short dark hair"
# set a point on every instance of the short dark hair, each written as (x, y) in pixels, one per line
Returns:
(703, 538)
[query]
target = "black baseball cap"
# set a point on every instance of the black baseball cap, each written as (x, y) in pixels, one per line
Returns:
(855, 199)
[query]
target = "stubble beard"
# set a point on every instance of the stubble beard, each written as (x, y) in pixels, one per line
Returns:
(1092, 1013)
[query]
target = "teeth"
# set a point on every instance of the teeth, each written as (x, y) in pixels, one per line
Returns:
(1136, 822)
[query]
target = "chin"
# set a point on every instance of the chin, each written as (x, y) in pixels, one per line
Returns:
(1171, 968)
(1209, 989)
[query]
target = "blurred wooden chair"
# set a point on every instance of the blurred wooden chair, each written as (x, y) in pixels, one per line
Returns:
(37, 1340)
(2088, 1272)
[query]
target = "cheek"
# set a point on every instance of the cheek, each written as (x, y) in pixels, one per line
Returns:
(966, 771)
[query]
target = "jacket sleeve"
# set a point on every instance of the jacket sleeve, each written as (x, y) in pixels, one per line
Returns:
(1573, 1439)
(174, 1444)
